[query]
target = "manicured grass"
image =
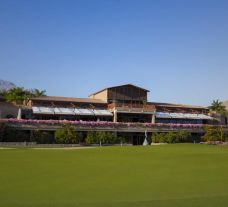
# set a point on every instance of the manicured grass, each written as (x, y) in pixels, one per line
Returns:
(179, 175)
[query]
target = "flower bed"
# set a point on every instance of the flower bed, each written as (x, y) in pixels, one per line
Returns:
(97, 123)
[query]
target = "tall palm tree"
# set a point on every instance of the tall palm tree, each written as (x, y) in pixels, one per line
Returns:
(16, 96)
(218, 107)
(38, 93)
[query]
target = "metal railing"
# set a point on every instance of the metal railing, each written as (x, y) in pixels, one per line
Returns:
(132, 107)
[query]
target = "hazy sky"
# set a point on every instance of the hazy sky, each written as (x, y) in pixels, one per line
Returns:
(176, 49)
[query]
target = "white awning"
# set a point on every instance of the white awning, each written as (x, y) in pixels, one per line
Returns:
(102, 112)
(66, 111)
(70, 111)
(42, 110)
(35, 110)
(87, 112)
(162, 115)
(181, 115)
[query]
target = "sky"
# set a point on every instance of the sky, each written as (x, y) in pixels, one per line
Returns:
(178, 49)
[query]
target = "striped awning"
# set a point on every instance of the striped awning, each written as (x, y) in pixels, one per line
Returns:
(70, 111)
(181, 116)
(42, 110)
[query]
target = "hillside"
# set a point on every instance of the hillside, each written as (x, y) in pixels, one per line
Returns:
(6, 85)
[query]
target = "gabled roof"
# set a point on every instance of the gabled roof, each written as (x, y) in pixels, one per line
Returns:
(176, 105)
(68, 99)
(119, 86)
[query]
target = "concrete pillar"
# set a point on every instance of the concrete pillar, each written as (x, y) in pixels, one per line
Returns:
(153, 119)
(19, 113)
(115, 115)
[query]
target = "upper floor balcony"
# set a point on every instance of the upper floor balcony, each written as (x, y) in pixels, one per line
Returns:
(132, 107)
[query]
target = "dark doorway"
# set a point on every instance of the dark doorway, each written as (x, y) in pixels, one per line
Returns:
(138, 139)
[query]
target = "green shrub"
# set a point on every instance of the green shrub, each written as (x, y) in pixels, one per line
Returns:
(157, 137)
(91, 138)
(171, 137)
(100, 137)
(121, 140)
(213, 133)
(65, 135)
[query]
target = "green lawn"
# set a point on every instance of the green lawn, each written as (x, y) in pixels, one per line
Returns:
(178, 175)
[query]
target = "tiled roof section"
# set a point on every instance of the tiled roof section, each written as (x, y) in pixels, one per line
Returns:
(176, 105)
(68, 99)
(119, 86)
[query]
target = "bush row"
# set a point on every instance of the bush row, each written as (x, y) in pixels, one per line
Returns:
(102, 137)
(67, 135)
(171, 137)
(214, 133)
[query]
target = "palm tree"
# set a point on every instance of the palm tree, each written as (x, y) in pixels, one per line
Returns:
(16, 96)
(38, 93)
(217, 106)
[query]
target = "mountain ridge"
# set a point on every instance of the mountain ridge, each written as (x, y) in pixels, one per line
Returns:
(6, 85)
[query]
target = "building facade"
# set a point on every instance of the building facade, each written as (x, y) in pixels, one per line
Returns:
(124, 103)
(123, 110)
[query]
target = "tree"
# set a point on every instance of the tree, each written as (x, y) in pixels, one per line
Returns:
(38, 93)
(213, 133)
(18, 95)
(91, 138)
(220, 133)
(157, 137)
(121, 140)
(110, 138)
(65, 135)
(217, 106)
(100, 137)
(182, 136)
(171, 137)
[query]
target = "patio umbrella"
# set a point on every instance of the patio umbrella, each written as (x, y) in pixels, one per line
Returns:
(19, 113)
(145, 143)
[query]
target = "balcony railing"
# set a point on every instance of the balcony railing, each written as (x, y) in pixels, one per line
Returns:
(132, 107)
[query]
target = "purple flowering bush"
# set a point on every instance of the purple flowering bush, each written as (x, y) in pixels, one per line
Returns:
(96, 123)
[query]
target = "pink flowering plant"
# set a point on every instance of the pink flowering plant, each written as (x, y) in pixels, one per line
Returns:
(96, 123)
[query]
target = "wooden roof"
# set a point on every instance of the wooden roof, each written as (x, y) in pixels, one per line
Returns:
(68, 99)
(176, 105)
(119, 86)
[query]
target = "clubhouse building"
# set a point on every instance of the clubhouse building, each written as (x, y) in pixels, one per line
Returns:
(125, 109)
(124, 103)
